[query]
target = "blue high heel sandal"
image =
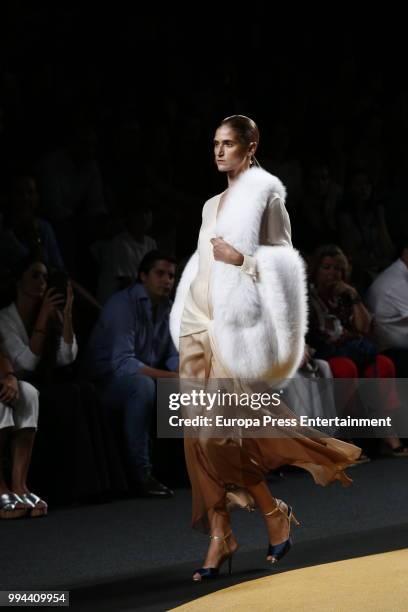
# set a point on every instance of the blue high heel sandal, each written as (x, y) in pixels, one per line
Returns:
(277, 551)
(207, 573)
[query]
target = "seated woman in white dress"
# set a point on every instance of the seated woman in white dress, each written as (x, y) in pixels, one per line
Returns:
(18, 425)
(34, 329)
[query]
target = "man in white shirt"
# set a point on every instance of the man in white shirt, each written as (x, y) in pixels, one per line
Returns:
(387, 298)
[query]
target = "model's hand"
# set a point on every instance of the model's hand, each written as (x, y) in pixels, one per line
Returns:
(9, 389)
(225, 252)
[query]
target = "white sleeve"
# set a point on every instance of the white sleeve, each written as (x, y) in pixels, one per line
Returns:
(67, 353)
(249, 266)
(275, 231)
(16, 349)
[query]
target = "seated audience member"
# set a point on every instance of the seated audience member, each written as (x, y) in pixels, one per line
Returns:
(340, 326)
(37, 327)
(121, 257)
(34, 330)
(18, 425)
(304, 398)
(129, 348)
(25, 234)
(38, 339)
(387, 298)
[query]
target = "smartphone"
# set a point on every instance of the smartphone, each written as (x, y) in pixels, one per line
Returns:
(58, 280)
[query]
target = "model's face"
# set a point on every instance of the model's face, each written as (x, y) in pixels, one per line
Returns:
(33, 283)
(160, 280)
(330, 272)
(229, 153)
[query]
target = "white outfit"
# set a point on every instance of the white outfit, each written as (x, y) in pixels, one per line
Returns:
(24, 412)
(387, 298)
(255, 312)
(120, 257)
(15, 344)
(246, 322)
(275, 230)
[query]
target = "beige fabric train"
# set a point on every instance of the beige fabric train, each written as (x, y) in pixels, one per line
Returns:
(221, 468)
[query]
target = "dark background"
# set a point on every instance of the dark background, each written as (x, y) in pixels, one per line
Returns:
(155, 82)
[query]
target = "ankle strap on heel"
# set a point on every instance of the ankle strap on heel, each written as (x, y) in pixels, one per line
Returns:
(217, 537)
(273, 511)
(288, 513)
(277, 507)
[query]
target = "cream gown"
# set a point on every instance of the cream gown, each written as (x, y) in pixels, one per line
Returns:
(220, 468)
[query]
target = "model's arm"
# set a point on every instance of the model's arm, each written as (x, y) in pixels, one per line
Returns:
(275, 231)
(223, 251)
(275, 228)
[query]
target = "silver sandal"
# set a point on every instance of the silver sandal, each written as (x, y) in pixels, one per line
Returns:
(36, 506)
(9, 509)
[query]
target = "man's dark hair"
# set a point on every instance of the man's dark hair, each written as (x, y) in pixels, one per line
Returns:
(149, 260)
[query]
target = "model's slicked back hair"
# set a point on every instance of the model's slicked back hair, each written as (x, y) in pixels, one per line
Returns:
(244, 127)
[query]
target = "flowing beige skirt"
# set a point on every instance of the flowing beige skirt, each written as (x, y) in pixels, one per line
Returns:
(220, 469)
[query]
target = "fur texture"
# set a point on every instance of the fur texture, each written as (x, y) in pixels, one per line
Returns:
(259, 326)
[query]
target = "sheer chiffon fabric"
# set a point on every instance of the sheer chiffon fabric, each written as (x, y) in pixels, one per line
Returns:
(220, 469)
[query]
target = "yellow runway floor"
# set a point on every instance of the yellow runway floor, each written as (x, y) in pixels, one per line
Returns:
(376, 583)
